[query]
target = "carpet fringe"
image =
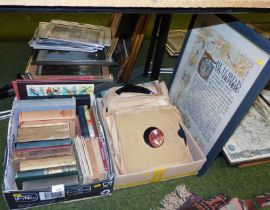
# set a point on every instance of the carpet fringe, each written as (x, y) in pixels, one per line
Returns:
(175, 199)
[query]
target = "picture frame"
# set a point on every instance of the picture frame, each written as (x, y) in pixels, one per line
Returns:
(57, 57)
(35, 89)
(222, 67)
(250, 140)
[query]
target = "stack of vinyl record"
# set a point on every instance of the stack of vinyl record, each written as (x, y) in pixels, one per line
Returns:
(63, 48)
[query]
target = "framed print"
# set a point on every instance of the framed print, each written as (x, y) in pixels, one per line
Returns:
(55, 57)
(250, 141)
(222, 67)
(30, 89)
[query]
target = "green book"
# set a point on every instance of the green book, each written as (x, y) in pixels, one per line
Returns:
(22, 176)
(43, 143)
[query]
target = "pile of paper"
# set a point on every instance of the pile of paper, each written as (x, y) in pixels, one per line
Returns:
(70, 36)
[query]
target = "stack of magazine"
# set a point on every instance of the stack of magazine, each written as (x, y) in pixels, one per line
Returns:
(62, 48)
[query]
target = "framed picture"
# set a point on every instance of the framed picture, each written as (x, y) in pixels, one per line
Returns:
(31, 89)
(250, 141)
(57, 57)
(222, 67)
(73, 32)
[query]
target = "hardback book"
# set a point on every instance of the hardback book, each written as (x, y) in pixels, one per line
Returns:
(86, 174)
(46, 184)
(70, 122)
(89, 121)
(83, 122)
(44, 104)
(43, 132)
(46, 115)
(43, 163)
(40, 153)
(22, 176)
(44, 143)
(98, 161)
(94, 121)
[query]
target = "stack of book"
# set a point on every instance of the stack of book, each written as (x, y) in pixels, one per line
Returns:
(63, 48)
(90, 148)
(43, 153)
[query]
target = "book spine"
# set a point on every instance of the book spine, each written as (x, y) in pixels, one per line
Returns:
(83, 122)
(78, 127)
(94, 122)
(44, 143)
(89, 121)
(98, 157)
(103, 156)
(30, 175)
(37, 152)
(27, 165)
(97, 122)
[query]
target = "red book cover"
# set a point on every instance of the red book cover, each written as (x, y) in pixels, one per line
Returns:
(102, 152)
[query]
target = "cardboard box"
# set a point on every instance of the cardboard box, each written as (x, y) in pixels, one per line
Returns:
(160, 174)
(19, 199)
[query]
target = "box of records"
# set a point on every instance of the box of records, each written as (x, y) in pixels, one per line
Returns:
(147, 138)
(155, 134)
(56, 151)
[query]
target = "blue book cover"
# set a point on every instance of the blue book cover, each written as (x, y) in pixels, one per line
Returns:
(43, 143)
(83, 122)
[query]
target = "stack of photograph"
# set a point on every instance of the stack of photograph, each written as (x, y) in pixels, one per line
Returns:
(71, 50)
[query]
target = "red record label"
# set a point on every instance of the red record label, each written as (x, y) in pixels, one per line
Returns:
(156, 138)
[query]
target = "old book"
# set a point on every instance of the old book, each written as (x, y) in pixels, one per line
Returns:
(83, 122)
(43, 132)
(51, 162)
(43, 143)
(71, 122)
(95, 156)
(44, 104)
(78, 127)
(41, 152)
(38, 174)
(89, 121)
(46, 115)
(94, 122)
(49, 182)
(86, 172)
